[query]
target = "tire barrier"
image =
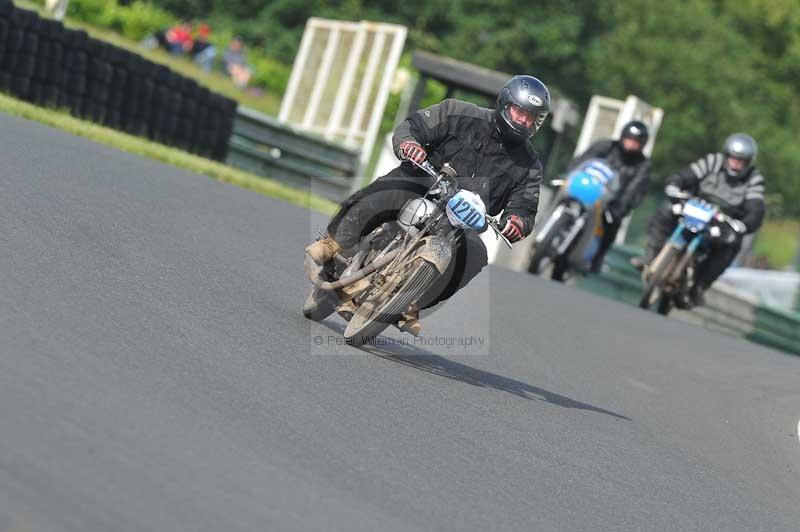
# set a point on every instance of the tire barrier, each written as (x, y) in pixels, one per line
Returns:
(46, 64)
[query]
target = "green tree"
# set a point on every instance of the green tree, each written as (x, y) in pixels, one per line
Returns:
(715, 66)
(772, 27)
(711, 80)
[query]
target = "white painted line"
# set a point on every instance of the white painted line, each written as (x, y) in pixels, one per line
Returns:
(798, 430)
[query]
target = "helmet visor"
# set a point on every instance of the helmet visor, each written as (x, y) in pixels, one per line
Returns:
(735, 164)
(524, 121)
(632, 144)
(521, 117)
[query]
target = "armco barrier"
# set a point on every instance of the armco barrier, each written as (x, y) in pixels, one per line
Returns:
(727, 310)
(47, 64)
(262, 145)
(777, 328)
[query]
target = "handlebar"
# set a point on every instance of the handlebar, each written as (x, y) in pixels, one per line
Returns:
(426, 167)
(494, 223)
(734, 223)
(449, 172)
(673, 192)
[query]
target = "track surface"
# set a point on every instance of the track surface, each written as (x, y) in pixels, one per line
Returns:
(156, 374)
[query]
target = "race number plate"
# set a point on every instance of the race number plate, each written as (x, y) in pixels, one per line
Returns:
(467, 211)
(698, 212)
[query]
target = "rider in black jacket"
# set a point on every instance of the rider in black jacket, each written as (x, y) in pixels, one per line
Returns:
(626, 157)
(492, 155)
(729, 180)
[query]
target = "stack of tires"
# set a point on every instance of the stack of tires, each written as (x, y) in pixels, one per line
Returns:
(76, 66)
(6, 8)
(21, 47)
(138, 98)
(118, 88)
(49, 76)
(47, 64)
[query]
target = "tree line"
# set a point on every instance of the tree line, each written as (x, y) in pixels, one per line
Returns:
(715, 66)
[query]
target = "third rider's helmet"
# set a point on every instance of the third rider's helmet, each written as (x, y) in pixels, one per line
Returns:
(739, 146)
(531, 96)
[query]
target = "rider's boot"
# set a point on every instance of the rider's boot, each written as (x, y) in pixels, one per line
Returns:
(683, 301)
(323, 250)
(697, 296)
(409, 322)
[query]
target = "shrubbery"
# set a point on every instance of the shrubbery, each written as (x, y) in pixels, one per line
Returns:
(135, 21)
(268, 73)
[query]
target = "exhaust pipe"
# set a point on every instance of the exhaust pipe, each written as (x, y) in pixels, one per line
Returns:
(356, 276)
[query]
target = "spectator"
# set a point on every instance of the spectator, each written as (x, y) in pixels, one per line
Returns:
(203, 51)
(179, 39)
(235, 64)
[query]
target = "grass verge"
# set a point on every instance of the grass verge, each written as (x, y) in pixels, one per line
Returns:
(175, 157)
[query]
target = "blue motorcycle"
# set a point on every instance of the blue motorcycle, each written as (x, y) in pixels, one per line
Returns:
(668, 279)
(572, 234)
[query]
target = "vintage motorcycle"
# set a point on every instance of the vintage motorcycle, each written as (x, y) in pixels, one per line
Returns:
(395, 266)
(668, 279)
(571, 236)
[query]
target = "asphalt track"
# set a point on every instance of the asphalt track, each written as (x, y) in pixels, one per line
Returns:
(156, 374)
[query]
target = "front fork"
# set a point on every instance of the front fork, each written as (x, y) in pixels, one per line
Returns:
(576, 228)
(685, 267)
(551, 221)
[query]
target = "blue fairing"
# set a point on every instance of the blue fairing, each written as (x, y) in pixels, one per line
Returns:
(585, 188)
(588, 182)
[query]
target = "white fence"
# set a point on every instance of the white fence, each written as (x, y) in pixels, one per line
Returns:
(340, 80)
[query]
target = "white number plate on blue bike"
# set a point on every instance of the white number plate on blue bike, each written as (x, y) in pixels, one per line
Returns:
(698, 212)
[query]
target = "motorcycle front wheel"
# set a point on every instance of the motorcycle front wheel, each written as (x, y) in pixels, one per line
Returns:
(373, 316)
(665, 304)
(652, 289)
(544, 253)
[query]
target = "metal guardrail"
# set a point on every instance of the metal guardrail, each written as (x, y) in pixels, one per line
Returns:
(727, 310)
(262, 145)
(777, 328)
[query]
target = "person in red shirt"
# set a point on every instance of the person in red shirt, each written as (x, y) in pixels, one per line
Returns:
(179, 38)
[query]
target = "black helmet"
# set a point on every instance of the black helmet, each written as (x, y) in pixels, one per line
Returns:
(739, 146)
(636, 130)
(530, 95)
